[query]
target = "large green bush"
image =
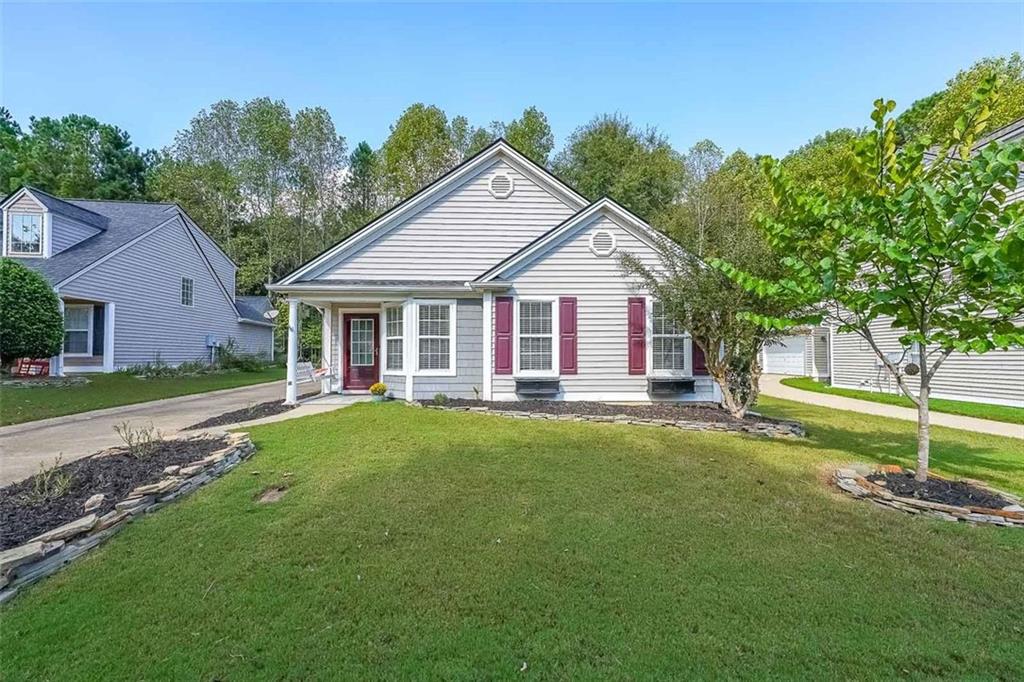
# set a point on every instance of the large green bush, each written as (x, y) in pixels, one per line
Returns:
(31, 325)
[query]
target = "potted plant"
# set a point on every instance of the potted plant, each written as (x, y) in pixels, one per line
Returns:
(378, 391)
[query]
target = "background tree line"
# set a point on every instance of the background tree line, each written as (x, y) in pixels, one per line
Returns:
(275, 187)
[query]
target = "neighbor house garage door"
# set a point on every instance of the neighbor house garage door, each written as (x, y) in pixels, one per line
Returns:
(785, 356)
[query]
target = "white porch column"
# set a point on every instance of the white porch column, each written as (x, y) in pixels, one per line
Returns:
(57, 361)
(108, 337)
(327, 349)
(488, 351)
(291, 390)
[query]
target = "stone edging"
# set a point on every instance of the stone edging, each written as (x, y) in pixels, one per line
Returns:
(860, 487)
(774, 429)
(46, 553)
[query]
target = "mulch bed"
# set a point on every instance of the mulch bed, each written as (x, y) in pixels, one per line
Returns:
(673, 411)
(942, 491)
(259, 411)
(23, 517)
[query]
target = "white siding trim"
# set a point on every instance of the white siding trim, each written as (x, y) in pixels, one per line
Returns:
(487, 350)
(108, 337)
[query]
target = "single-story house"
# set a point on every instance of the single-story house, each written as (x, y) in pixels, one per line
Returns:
(138, 282)
(496, 281)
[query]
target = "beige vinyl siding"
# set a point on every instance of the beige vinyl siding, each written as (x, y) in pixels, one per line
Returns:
(996, 377)
(66, 232)
(569, 268)
(460, 235)
(144, 283)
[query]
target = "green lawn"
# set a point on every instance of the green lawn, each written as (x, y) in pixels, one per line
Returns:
(1000, 413)
(110, 390)
(418, 544)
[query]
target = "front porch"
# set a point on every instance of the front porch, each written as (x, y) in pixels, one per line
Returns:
(88, 338)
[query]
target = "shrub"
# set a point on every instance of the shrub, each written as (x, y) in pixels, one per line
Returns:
(440, 398)
(51, 483)
(229, 358)
(31, 325)
(378, 389)
(141, 441)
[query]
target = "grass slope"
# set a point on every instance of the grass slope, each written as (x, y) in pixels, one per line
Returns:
(418, 544)
(999, 413)
(19, 405)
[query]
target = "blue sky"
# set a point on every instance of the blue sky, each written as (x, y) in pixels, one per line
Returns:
(763, 77)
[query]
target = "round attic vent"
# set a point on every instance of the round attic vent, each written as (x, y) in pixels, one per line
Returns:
(602, 243)
(501, 185)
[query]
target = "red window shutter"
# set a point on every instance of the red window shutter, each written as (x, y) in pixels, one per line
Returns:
(567, 335)
(503, 335)
(637, 320)
(700, 366)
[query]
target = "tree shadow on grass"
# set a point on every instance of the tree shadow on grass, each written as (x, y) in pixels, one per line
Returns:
(998, 461)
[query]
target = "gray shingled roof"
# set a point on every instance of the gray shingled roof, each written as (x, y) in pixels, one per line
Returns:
(58, 205)
(124, 221)
(253, 307)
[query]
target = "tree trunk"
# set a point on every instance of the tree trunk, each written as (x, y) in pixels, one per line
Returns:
(923, 431)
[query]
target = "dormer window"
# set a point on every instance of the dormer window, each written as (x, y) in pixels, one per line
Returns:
(26, 234)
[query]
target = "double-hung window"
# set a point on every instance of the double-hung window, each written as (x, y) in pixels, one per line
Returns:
(435, 334)
(536, 337)
(188, 291)
(394, 324)
(78, 330)
(668, 342)
(26, 230)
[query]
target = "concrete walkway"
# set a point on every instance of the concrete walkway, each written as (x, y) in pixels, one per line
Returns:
(24, 446)
(771, 385)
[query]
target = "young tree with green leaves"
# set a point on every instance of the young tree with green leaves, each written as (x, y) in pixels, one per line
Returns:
(920, 238)
(530, 134)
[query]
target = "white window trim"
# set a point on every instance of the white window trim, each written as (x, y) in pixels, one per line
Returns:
(687, 370)
(44, 232)
(452, 344)
(556, 332)
(384, 338)
(91, 330)
(181, 285)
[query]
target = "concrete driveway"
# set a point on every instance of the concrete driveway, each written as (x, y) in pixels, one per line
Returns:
(24, 446)
(771, 385)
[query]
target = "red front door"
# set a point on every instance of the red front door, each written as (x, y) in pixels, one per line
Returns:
(360, 351)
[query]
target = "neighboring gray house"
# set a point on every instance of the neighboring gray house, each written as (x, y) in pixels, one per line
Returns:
(138, 282)
(496, 281)
(996, 377)
(802, 354)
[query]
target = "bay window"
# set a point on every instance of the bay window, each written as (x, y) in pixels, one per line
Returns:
(77, 330)
(668, 342)
(536, 337)
(394, 327)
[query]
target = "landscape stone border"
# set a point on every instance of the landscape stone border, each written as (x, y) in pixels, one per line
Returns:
(851, 481)
(773, 429)
(54, 549)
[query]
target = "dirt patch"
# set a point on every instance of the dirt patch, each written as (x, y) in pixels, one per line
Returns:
(271, 494)
(24, 514)
(257, 411)
(673, 411)
(941, 491)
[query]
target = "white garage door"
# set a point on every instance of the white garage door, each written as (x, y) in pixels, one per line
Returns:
(785, 356)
